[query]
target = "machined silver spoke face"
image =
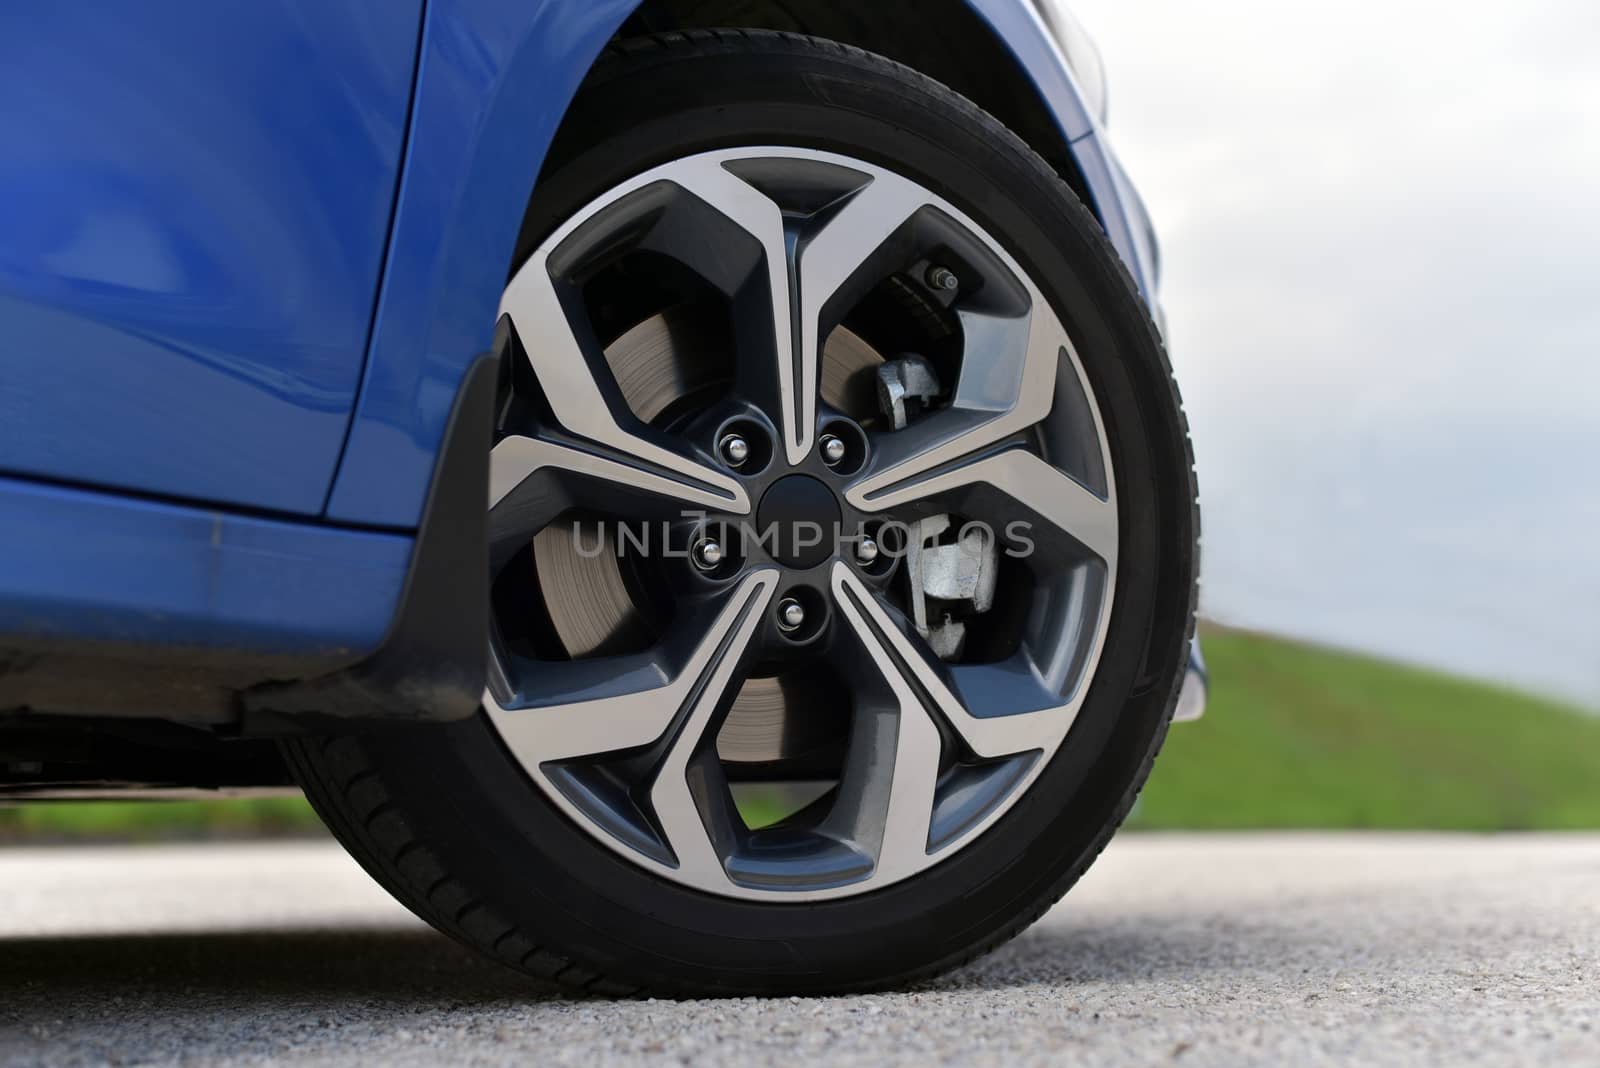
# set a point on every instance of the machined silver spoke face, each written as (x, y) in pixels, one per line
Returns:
(803, 525)
(606, 445)
(656, 714)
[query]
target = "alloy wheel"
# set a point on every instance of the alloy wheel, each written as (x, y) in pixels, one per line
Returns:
(713, 361)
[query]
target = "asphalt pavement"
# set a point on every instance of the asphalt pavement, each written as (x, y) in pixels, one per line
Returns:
(1176, 949)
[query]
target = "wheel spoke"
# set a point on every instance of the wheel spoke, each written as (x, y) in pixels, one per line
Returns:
(570, 377)
(534, 481)
(803, 277)
(900, 658)
(894, 810)
(675, 714)
(833, 256)
(517, 458)
(1007, 384)
(793, 374)
(1042, 491)
(595, 707)
(683, 820)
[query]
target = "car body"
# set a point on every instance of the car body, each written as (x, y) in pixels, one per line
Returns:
(249, 261)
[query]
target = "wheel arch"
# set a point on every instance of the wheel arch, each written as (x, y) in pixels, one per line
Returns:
(972, 46)
(496, 78)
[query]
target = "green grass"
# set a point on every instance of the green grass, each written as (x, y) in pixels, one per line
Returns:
(51, 821)
(1297, 736)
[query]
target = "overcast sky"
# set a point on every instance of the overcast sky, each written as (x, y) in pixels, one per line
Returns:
(1380, 227)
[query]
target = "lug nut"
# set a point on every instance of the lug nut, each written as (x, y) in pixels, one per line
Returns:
(866, 550)
(943, 278)
(791, 614)
(832, 449)
(735, 450)
(707, 554)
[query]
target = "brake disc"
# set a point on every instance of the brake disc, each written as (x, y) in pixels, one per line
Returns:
(657, 364)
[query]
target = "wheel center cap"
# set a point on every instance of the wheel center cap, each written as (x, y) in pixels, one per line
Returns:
(798, 521)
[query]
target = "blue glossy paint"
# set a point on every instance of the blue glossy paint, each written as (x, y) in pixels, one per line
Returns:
(495, 79)
(94, 566)
(1103, 174)
(194, 203)
(1019, 25)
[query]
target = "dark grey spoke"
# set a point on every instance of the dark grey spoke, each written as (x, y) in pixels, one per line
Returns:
(1010, 388)
(1042, 490)
(988, 736)
(601, 709)
(800, 290)
(566, 377)
(795, 373)
(517, 458)
(682, 819)
(894, 801)
(832, 256)
(611, 707)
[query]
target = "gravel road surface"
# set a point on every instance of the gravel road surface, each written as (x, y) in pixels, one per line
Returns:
(1193, 950)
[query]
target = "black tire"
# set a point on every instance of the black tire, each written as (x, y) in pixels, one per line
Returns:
(445, 818)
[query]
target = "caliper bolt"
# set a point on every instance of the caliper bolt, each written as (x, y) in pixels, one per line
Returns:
(735, 450)
(707, 554)
(866, 550)
(791, 614)
(942, 278)
(832, 449)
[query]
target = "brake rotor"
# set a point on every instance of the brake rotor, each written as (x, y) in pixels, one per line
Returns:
(657, 364)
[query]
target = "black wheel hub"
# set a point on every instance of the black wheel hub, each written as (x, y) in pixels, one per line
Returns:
(800, 521)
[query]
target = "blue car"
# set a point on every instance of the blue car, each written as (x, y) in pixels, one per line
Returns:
(691, 490)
